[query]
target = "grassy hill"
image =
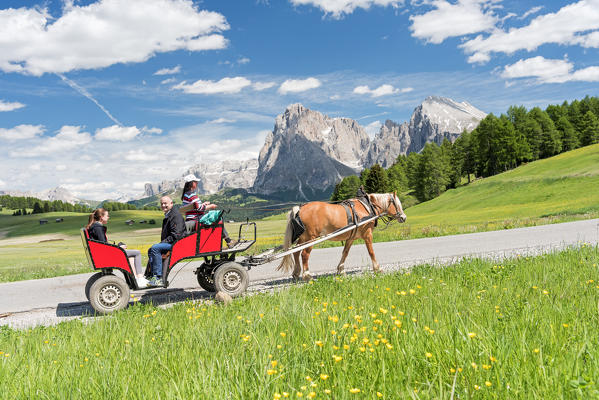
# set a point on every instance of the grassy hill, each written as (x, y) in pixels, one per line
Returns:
(554, 189)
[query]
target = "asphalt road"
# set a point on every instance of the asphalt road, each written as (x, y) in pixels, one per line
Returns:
(49, 301)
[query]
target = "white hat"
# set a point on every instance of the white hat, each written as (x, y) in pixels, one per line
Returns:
(191, 178)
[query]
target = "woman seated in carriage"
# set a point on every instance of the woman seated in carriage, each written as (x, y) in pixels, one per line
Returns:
(194, 209)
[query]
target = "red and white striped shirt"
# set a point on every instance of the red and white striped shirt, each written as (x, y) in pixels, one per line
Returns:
(200, 209)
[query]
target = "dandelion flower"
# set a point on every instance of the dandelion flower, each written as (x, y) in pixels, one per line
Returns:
(471, 335)
(354, 390)
(337, 358)
(311, 395)
(428, 355)
(327, 391)
(324, 377)
(277, 395)
(379, 394)
(271, 371)
(536, 350)
(474, 365)
(476, 387)
(274, 363)
(488, 384)
(283, 334)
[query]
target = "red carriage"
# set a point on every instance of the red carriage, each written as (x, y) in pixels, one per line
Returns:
(108, 292)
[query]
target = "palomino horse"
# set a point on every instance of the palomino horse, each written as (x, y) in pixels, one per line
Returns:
(321, 218)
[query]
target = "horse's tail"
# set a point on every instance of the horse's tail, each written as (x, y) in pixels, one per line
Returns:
(287, 262)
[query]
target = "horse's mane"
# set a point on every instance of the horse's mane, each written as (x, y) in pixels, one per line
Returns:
(383, 200)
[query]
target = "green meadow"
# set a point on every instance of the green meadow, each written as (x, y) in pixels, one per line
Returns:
(559, 189)
(520, 329)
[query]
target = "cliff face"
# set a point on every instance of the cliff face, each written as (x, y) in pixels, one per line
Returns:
(308, 153)
(435, 119)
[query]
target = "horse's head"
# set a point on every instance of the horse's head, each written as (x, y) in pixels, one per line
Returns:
(394, 209)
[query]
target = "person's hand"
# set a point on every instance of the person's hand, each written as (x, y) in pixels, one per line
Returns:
(211, 207)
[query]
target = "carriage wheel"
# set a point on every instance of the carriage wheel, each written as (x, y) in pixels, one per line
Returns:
(108, 294)
(92, 279)
(231, 278)
(205, 280)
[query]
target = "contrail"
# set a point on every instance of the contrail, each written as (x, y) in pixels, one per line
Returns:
(89, 96)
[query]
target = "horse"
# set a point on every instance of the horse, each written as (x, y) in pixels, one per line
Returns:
(320, 218)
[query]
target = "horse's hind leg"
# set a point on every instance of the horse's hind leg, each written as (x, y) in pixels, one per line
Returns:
(305, 256)
(341, 265)
(368, 242)
(296, 266)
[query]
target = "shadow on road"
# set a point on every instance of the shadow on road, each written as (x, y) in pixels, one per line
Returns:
(156, 297)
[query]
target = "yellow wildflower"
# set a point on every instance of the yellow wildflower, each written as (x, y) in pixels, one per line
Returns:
(324, 377)
(354, 390)
(311, 395)
(488, 384)
(379, 394)
(271, 371)
(428, 355)
(471, 335)
(337, 358)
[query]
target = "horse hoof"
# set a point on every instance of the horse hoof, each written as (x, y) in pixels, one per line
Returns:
(307, 277)
(341, 273)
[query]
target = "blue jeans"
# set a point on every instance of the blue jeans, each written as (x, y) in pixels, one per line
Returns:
(155, 255)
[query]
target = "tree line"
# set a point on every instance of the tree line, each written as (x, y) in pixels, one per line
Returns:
(498, 144)
(21, 205)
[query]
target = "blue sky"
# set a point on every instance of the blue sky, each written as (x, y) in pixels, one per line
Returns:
(102, 96)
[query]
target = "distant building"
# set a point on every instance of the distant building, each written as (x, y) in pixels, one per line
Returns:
(43, 221)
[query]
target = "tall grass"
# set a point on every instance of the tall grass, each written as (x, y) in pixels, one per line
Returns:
(522, 328)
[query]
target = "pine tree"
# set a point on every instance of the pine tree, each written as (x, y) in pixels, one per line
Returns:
(377, 181)
(431, 180)
(590, 129)
(346, 189)
(37, 209)
(568, 134)
(549, 143)
(412, 166)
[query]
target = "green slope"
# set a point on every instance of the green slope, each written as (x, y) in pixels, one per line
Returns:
(563, 186)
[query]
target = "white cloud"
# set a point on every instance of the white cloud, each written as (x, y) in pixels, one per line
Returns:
(224, 86)
(168, 80)
(549, 71)
(373, 128)
(335, 97)
(2, 183)
(139, 155)
(68, 138)
(168, 71)
(221, 121)
(8, 106)
(298, 85)
(337, 8)
(117, 133)
(243, 60)
(104, 33)
(259, 86)
(153, 130)
(570, 25)
(61, 167)
(533, 10)
(383, 90)
(449, 20)
(21, 132)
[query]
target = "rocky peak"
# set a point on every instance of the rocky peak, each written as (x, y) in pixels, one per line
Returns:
(341, 142)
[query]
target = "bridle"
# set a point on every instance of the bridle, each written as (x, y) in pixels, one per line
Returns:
(385, 216)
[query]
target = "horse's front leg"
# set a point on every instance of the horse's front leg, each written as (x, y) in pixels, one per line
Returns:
(305, 257)
(368, 240)
(341, 266)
